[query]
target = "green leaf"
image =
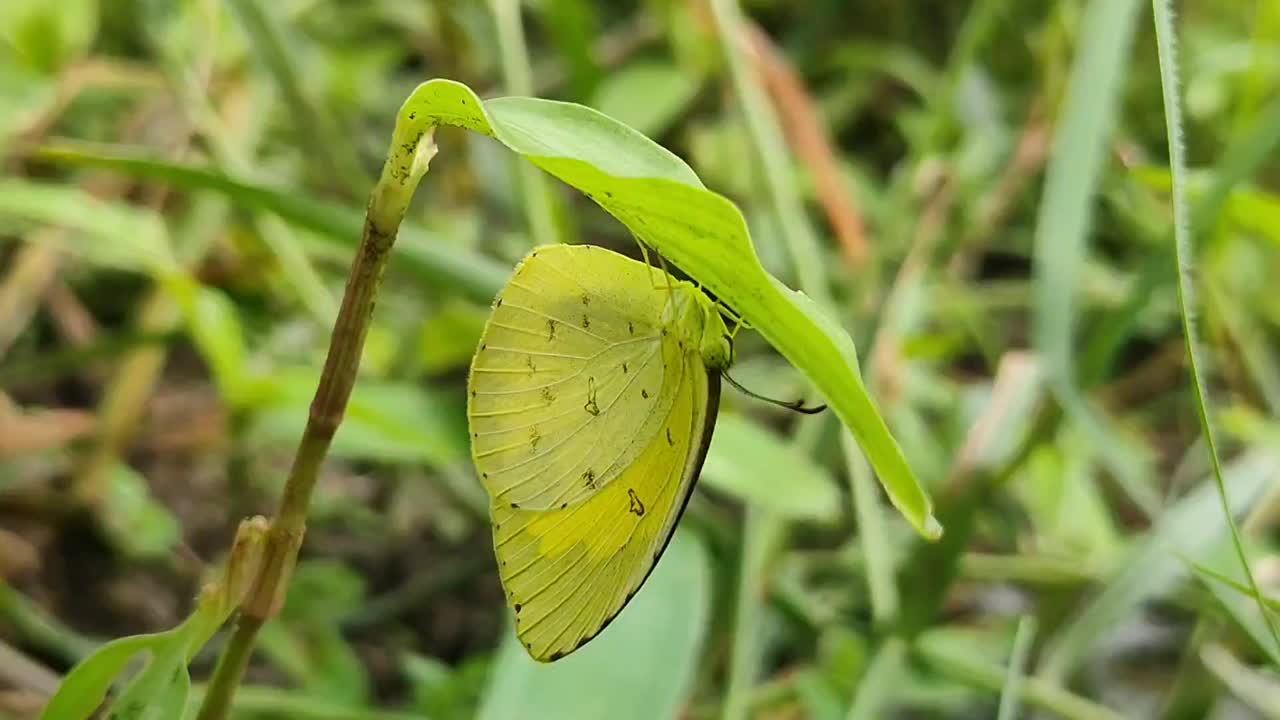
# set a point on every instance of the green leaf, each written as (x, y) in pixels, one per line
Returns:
(744, 460)
(660, 199)
(159, 691)
(108, 234)
(642, 666)
(84, 688)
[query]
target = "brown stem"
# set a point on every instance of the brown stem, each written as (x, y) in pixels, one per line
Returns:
(284, 538)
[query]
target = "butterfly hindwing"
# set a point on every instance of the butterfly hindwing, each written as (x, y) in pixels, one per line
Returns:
(568, 572)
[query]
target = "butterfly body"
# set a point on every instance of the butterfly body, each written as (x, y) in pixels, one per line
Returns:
(592, 400)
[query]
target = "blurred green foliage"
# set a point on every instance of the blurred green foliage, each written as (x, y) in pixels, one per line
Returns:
(183, 184)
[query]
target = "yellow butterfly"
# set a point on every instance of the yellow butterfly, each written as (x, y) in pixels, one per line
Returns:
(592, 401)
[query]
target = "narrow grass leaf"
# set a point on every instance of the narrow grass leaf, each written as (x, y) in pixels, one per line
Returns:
(1062, 228)
(1258, 690)
(1167, 46)
(1193, 527)
(434, 261)
(958, 661)
(1011, 693)
(107, 234)
(882, 676)
(1238, 601)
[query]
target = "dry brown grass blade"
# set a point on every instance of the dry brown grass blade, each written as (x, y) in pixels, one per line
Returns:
(807, 134)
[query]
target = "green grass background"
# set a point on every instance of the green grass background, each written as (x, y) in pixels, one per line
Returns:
(1016, 308)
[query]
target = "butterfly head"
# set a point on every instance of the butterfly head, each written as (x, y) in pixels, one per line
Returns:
(717, 344)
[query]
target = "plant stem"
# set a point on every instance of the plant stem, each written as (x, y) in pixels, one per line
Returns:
(412, 148)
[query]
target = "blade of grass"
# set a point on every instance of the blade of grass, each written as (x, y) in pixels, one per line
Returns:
(1062, 228)
(1167, 49)
(1258, 690)
(429, 257)
(762, 534)
(884, 672)
(1037, 692)
(1151, 567)
(1011, 694)
(519, 81)
(1231, 596)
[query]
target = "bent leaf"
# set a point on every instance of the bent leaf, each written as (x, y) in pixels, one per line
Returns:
(664, 204)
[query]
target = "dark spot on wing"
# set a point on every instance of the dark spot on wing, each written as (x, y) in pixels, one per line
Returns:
(528, 361)
(497, 303)
(548, 395)
(586, 299)
(637, 507)
(589, 478)
(586, 322)
(631, 329)
(556, 655)
(517, 607)
(551, 329)
(535, 437)
(644, 393)
(670, 440)
(515, 506)
(624, 368)
(564, 505)
(591, 406)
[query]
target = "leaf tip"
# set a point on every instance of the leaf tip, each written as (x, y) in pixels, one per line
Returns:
(931, 528)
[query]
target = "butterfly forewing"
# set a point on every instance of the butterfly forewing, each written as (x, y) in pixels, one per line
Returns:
(566, 388)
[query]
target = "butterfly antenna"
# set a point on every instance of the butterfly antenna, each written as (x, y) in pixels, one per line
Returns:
(793, 405)
(671, 291)
(644, 253)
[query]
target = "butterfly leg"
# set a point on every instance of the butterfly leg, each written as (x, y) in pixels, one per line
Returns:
(738, 321)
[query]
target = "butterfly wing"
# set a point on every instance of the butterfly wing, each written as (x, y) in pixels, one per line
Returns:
(568, 572)
(565, 388)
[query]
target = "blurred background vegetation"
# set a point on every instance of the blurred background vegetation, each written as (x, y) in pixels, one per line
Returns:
(183, 184)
